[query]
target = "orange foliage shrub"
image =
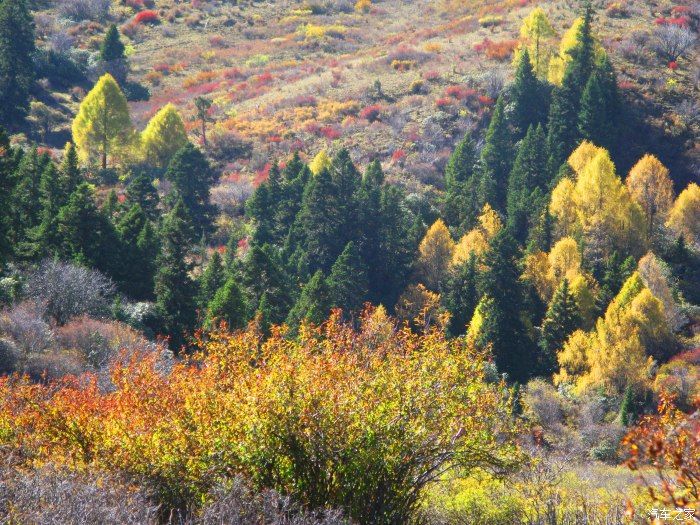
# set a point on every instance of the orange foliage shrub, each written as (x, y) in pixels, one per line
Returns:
(326, 416)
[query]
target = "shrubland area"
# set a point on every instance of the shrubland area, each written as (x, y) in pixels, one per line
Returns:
(325, 262)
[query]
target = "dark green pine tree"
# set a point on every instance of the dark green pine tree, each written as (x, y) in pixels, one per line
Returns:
(25, 195)
(264, 274)
(563, 136)
(46, 238)
(347, 282)
(16, 61)
(70, 177)
(295, 176)
(111, 205)
(143, 279)
(599, 116)
(129, 228)
(142, 192)
(561, 320)
(529, 105)
(461, 204)
(212, 278)
(313, 304)
(503, 327)
(262, 208)
(462, 296)
(540, 237)
(86, 235)
(627, 407)
(192, 177)
(228, 305)
(524, 203)
(496, 160)
(7, 182)
(174, 289)
(370, 197)
(112, 47)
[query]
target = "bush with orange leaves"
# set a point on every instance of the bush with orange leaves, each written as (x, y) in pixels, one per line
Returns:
(668, 445)
(359, 419)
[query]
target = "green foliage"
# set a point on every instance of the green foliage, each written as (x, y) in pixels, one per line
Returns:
(462, 296)
(598, 119)
(496, 160)
(164, 136)
(141, 191)
(347, 282)
(313, 304)
(16, 61)
(529, 105)
(112, 47)
(561, 320)
(461, 182)
(228, 305)
(211, 280)
(263, 275)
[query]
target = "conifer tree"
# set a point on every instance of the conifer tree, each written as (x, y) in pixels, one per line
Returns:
(7, 182)
(502, 327)
(540, 237)
(462, 296)
(211, 279)
(142, 192)
(529, 174)
(46, 237)
(25, 195)
(536, 29)
(70, 176)
(529, 107)
(461, 206)
(496, 160)
(143, 279)
(112, 54)
(295, 176)
(347, 282)
(102, 127)
(561, 320)
(16, 61)
(370, 206)
(174, 289)
(263, 273)
(129, 227)
(313, 304)
(164, 136)
(598, 119)
(627, 407)
(228, 305)
(192, 176)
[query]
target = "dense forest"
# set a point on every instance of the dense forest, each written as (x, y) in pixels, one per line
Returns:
(517, 344)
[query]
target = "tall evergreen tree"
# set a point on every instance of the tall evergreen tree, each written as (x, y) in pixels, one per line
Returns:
(598, 119)
(70, 177)
(143, 279)
(129, 228)
(16, 61)
(529, 105)
(25, 195)
(370, 205)
(211, 279)
(264, 274)
(192, 176)
(228, 305)
(313, 304)
(46, 236)
(462, 296)
(142, 192)
(503, 327)
(461, 206)
(7, 182)
(112, 47)
(496, 160)
(347, 282)
(562, 319)
(540, 237)
(529, 174)
(174, 289)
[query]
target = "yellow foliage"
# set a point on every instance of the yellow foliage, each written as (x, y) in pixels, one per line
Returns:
(562, 206)
(320, 162)
(565, 260)
(477, 240)
(573, 358)
(583, 155)
(363, 6)
(539, 272)
(535, 32)
(477, 321)
(558, 64)
(584, 289)
(435, 254)
(164, 135)
(684, 217)
(419, 306)
(650, 185)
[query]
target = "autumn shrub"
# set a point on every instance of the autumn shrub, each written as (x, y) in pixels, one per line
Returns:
(371, 113)
(361, 420)
(148, 16)
(84, 9)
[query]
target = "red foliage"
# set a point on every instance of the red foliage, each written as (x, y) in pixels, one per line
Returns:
(162, 68)
(460, 92)
(274, 139)
(147, 17)
(500, 51)
(371, 113)
(262, 175)
(233, 73)
(263, 79)
(673, 65)
(330, 132)
(398, 156)
(431, 75)
(217, 41)
(680, 21)
(691, 356)
(443, 102)
(486, 100)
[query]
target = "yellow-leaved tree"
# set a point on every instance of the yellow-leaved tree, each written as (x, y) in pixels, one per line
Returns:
(684, 217)
(320, 162)
(597, 206)
(649, 184)
(559, 62)
(535, 34)
(476, 241)
(434, 255)
(102, 129)
(164, 135)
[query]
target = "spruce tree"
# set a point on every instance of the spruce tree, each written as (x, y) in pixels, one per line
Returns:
(461, 206)
(598, 119)
(561, 320)
(112, 47)
(496, 160)
(16, 61)
(540, 236)
(529, 107)
(503, 327)
(25, 195)
(627, 407)
(211, 279)
(142, 192)
(7, 182)
(263, 273)
(70, 177)
(174, 289)
(529, 174)
(370, 199)
(228, 305)
(347, 282)
(129, 228)
(192, 177)
(313, 304)
(142, 280)
(462, 296)
(46, 237)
